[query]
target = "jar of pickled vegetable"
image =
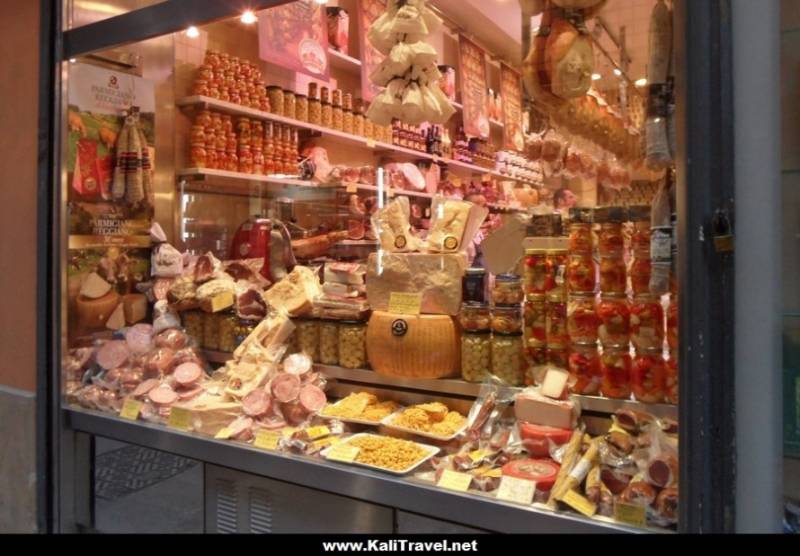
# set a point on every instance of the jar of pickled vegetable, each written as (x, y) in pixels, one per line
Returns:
(369, 128)
(581, 273)
(508, 363)
(289, 104)
(557, 263)
(613, 278)
(211, 322)
(558, 356)
(227, 332)
(648, 375)
(580, 238)
(508, 290)
(475, 317)
(615, 366)
(584, 368)
(647, 322)
(672, 323)
(640, 239)
(476, 356)
(582, 320)
(535, 316)
(507, 320)
(193, 323)
(671, 379)
(275, 95)
(614, 318)
(327, 108)
(353, 344)
(611, 240)
(557, 333)
(301, 108)
(538, 274)
(307, 333)
(641, 270)
(329, 342)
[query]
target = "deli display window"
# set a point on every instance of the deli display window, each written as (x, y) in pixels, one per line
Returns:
(322, 243)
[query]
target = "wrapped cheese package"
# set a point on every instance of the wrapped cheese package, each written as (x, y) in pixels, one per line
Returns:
(392, 227)
(453, 225)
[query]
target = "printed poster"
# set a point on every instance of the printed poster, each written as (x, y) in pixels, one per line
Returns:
(295, 36)
(511, 92)
(473, 88)
(368, 12)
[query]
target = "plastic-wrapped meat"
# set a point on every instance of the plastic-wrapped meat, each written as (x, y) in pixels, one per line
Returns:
(113, 354)
(187, 355)
(159, 362)
(667, 505)
(257, 403)
(163, 395)
(164, 317)
(111, 378)
(356, 206)
(614, 481)
(172, 339)
(131, 378)
(207, 265)
(241, 429)
(274, 420)
(89, 396)
(633, 421)
(144, 388)
(356, 229)
(150, 413)
(298, 364)
(186, 393)
(77, 361)
(140, 338)
(663, 471)
(574, 163)
(312, 398)
(240, 271)
(251, 306)
(285, 387)
(109, 401)
(295, 413)
(188, 374)
(317, 379)
(638, 492)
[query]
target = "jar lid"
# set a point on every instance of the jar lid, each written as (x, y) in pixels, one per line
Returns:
(616, 348)
(508, 278)
(477, 333)
(289, 91)
(585, 345)
(475, 305)
(557, 347)
(274, 87)
(508, 334)
(651, 350)
(298, 95)
(581, 295)
(647, 297)
(534, 252)
(581, 215)
(557, 251)
(536, 344)
(617, 296)
(556, 297)
(475, 271)
(610, 215)
(535, 297)
(506, 308)
(639, 213)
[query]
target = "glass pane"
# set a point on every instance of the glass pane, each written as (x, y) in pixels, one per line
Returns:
(83, 12)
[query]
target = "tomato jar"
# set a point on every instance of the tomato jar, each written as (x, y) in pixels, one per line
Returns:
(671, 379)
(538, 275)
(615, 367)
(581, 273)
(640, 239)
(507, 320)
(613, 278)
(614, 317)
(557, 264)
(508, 363)
(584, 369)
(475, 317)
(580, 230)
(582, 320)
(558, 356)
(611, 240)
(672, 323)
(648, 375)
(647, 322)
(508, 290)
(641, 269)
(557, 334)
(476, 356)
(535, 316)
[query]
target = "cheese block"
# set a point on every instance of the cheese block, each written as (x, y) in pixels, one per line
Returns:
(345, 273)
(135, 305)
(392, 227)
(218, 302)
(93, 314)
(210, 413)
(555, 383)
(216, 295)
(449, 221)
(94, 287)
(438, 277)
(296, 292)
(117, 319)
(531, 406)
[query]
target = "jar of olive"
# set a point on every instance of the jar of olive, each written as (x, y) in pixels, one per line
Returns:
(227, 332)
(193, 323)
(329, 342)
(508, 362)
(353, 344)
(307, 333)
(476, 356)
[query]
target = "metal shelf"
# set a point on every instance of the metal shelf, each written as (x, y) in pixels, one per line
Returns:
(413, 495)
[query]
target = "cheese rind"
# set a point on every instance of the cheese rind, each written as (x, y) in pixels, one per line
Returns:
(94, 313)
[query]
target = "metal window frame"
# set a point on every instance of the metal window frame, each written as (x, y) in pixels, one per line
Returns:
(704, 184)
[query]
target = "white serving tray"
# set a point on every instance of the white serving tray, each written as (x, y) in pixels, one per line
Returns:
(349, 419)
(388, 422)
(432, 451)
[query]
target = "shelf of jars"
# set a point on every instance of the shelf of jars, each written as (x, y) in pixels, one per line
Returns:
(379, 147)
(458, 387)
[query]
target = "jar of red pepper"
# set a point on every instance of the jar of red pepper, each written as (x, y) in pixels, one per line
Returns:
(647, 322)
(672, 323)
(538, 276)
(648, 376)
(615, 366)
(671, 379)
(614, 318)
(582, 321)
(584, 368)
(581, 273)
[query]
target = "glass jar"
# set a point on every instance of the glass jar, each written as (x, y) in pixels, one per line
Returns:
(193, 323)
(537, 359)
(227, 332)
(358, 124)
(671, 379)
(615, 366)
(369, 129)
(347, 122)
(327, 109)
(580, 238)
(507, 320)
(584, 368)
(211, 322)
(641, 270)
(647, 322)
(476, 356)
(507, 360)
(613, 278)
(558, 356)
(538, 275)
(614, 316)
(329, 342)
(557, 333)
(475, 317)
(507, 290)
(474, 285)
(611, 241)
(581, 273)
(353, 344)
(640, 239)
(582, 320)
(535, 316)
(308, 337)
(245, 160)
(648, 376)
(244, 329)
(301, 108)
(672, 323)
(314, 111)
(275, 95)
(289, 104)
(557, 264)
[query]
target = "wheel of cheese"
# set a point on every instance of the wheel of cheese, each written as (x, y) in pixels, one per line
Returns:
(94, 313)
(188, 373)
(536, 438)
(543, 471)
(285, 387)
(256, 403)
(113, 354)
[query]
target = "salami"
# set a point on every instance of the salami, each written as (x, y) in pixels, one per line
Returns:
(256, 403)
(298, 364)
(173, 339)
(159, 362)
(113, 354)
(285, 387)
(663, 471)
(189, 393)
(312, 398)
(140, 338)
(163, 395)
(145, 387)
(614, 481)
(188, 373)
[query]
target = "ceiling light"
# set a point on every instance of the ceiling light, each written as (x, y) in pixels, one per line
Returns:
(192, 32)
(618, 72)
(248, 17)
(596, 77)
(321, 1)
(641, 82)
(73, 60)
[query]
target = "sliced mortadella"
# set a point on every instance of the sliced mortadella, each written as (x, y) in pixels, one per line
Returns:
(172, 338)
(312, 398)
(189, 393)
(241, 428)
(113, 354)
(145, 387)
(188, 373)
(140, 338)
(163, 395)
(257, 403)
(159, 362)
(286, 387)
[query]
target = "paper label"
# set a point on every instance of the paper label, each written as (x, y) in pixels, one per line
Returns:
(405, 303)
(581, 470)
(343, 452)
(318, 432)
(267, 440)
(452, 480)
(323, 443)
(503, 248)
(287, 432)
(519, 491)
(180, 419)
(630, 514)
(579, 503)
(223, 434)
(352, 188)
(131, 409)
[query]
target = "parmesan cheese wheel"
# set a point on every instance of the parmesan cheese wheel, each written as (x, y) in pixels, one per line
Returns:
(94, 313)
(569, 58)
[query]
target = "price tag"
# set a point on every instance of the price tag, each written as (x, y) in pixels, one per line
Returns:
(452, 480)
(630, 514)
(180, 419)
(343, 452)
(317, 432)
(519, 491)
(323, 443)
(371, 143)
(579, 503)
(223, 434)
(131, 409)
(478, 455)
(456, 181)
(267, 440)
(352, 188)
(405, 303)
(287, 432)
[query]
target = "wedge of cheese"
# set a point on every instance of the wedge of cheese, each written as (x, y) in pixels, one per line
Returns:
(94, 287)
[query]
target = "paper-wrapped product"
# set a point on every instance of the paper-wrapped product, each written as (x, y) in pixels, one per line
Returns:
(392, 227)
